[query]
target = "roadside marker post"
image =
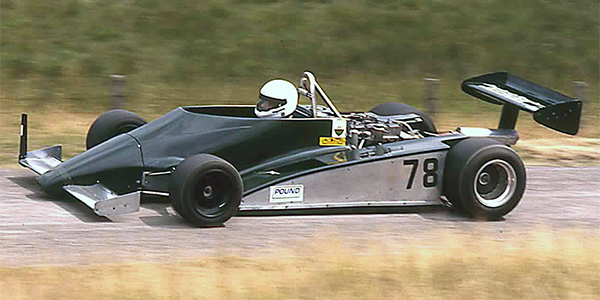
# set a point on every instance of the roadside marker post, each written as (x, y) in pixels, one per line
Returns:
(431, 96)
(116, 91)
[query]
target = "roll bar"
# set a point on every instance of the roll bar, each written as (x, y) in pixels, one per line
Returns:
(309, 87)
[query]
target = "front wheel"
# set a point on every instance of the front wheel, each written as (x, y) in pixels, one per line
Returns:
(205, 190)
(111, 124)
(484, 178)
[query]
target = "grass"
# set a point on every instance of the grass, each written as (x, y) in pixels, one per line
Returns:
(542, 265)
(50, 47)
(562, 151)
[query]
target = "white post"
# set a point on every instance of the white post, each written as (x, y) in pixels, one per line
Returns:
(580, 89)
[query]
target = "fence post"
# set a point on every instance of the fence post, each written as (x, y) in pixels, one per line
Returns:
(116, 90)
(580, 89)
(431, 96)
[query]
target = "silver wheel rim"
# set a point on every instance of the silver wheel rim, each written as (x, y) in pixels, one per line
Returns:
(495, 183)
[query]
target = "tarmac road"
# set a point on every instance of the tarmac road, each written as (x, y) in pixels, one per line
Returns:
(37, 229)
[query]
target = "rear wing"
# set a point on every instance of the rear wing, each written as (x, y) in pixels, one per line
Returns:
(549, 108)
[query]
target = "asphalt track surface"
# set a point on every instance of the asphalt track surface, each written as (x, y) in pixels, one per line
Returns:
(38, 229)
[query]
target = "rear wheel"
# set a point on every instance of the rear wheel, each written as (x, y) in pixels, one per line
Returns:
(395, 108)
(111, 124)
(484, 178)
(205, 190)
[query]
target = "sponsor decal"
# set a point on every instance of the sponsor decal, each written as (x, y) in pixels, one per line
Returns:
(286, 193)
(338, 128)
(332, 141)
(529, 104)
(340, 157)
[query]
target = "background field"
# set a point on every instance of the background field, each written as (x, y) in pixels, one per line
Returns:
(185, 41)
(56, 56)
(64, 50)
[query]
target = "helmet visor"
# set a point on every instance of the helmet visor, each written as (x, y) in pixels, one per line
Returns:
(266, 103)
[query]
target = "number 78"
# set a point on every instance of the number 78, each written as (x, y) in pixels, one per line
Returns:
(430, 167)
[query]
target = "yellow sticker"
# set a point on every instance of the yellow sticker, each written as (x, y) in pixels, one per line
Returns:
(332, 141)
(340, 157)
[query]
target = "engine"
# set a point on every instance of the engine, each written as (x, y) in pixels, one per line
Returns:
(368, 129)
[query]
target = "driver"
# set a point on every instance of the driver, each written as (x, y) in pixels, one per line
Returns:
(278, 98)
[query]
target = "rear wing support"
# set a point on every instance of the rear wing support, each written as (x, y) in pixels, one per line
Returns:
(508, 118)
(549, 108)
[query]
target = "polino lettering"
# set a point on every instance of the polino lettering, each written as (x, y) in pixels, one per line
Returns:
(287, 191)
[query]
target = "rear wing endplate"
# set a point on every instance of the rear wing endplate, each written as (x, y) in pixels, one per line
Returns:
(549, 108)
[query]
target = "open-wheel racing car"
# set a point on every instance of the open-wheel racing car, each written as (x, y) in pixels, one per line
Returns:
(213, 161)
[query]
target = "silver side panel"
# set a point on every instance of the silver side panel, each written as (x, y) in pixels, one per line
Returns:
(380, 183)
(104, 201)
(42, 160)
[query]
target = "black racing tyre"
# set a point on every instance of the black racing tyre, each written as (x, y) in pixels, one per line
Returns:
(111, 124)
(395, 108)
(484, 178)
(205, 190)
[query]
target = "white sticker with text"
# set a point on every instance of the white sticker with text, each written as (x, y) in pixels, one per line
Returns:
(338, 128)
(286, 193)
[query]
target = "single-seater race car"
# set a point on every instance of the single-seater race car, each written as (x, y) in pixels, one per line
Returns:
(213, 161)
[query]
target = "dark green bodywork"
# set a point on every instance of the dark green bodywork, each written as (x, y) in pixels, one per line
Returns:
(230, 132)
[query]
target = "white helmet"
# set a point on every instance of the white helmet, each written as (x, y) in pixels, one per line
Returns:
(278, 98)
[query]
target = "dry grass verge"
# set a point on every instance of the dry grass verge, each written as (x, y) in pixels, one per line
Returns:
(561, 151)
(558, 265)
